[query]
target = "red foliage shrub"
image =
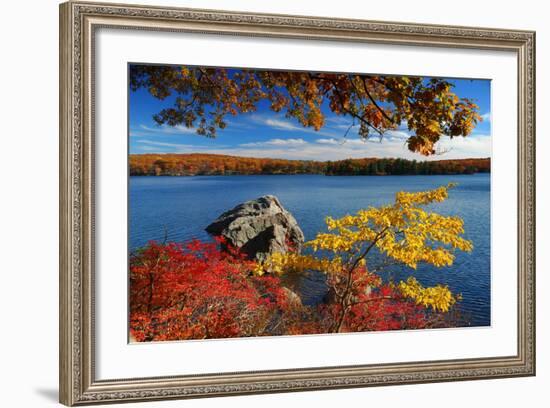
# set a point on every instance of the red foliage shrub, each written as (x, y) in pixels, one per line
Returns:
(197, 291)
(374, 307)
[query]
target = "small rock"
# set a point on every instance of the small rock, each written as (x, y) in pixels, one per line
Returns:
(292, 297)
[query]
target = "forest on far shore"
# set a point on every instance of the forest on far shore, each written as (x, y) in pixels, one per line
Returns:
(200, 164)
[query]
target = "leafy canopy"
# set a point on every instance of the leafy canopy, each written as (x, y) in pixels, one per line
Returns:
(204, 97)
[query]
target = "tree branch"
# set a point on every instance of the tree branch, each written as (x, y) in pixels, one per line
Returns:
(382, 111)
(366, 122)
(347, 291)
(391, 88)
(370, 300)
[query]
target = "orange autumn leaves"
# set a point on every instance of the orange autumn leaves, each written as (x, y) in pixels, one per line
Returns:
(205, 97)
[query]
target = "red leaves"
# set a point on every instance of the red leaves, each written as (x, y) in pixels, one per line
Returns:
(198, 291)
(385, 313)
(385, 290)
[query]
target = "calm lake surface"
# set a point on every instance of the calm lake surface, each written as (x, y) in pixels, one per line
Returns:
(182, 207)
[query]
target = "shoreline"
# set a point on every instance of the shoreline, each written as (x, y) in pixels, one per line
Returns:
(307, 174)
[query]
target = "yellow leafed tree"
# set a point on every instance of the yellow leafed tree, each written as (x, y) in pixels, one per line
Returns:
(405, 232)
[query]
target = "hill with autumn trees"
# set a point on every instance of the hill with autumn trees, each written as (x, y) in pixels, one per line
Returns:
(199, 164)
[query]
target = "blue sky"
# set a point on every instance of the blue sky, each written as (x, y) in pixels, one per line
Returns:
(268, 134)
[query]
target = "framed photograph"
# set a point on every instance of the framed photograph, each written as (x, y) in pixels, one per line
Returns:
(256, 203)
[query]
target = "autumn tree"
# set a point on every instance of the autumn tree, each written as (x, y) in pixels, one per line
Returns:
(405, 233)
(204, 97)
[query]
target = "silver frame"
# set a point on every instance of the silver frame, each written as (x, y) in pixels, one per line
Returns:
(78, 22)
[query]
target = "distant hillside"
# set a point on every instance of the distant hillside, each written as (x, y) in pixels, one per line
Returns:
(196, 164)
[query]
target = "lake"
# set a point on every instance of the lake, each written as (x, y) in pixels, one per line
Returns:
(181, 207)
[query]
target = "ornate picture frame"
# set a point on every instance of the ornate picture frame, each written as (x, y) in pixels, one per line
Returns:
(79, 22)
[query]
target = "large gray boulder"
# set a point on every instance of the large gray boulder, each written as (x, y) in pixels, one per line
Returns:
(259, 227)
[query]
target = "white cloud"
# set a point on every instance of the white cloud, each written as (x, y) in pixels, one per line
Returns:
(339, 120)
(464, 147)
(312, 151)
(282, 125)
(276, 142)
(486, 117)
(237, 126)
(330, 141)
(291, 127)
(392, 136)
(148, 131)
(169, 147)
(344, 128)
(396, 135)
(141, 133)
(278, 124)
(331, 148)
(334, 149)
(154, 143)
(344, 141)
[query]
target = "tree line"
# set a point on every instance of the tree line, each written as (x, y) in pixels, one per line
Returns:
(197, 164)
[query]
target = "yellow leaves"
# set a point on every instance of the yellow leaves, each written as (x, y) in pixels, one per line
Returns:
(315, 118)
(334, 242)
(421, 236)
(438, 297)
(279, 263)
(259, 269)
(420, 144)
(434, 127)
(440, 194)
(184, 71)
(404, 231)
(331, 223)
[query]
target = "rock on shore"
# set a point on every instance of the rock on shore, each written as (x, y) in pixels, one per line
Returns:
(259, 227)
